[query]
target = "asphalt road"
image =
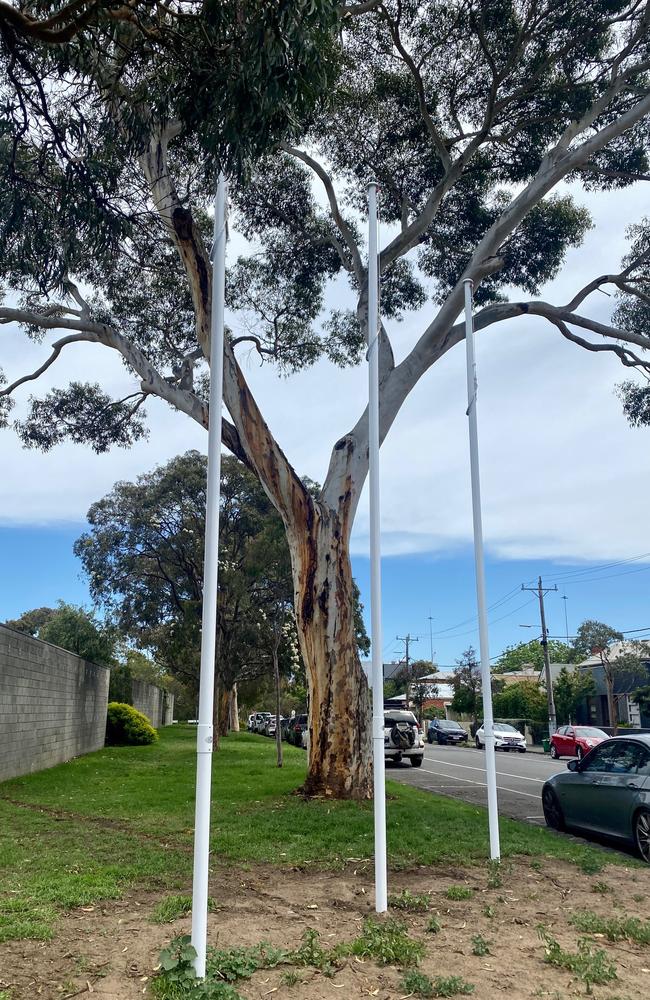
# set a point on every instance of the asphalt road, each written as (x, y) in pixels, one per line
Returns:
(461, 773)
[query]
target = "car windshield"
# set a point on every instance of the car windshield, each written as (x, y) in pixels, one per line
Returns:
(591, 732)
(448, 724)
(501, 727)
(395, 717)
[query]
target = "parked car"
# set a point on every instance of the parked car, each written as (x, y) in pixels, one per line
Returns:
(446, 731)
(505, 738)
(284, 725)
(298, 726)
(270, 726)
(250, 725)
(575, 741)
(260, 721)
(402, 737)
(607, 792)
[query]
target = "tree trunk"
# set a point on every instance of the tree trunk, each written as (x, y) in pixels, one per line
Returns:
(223, 724)
(234, 710)
(278, 731)
(340, 760)
(611, 702)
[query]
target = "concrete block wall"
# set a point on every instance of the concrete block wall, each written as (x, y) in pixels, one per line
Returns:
(153, 702)
(52, 704)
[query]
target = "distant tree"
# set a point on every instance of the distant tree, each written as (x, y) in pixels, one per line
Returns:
(31, 622)
(569, 691)
(521, 700)
(466, 680)
(620, 671)
(144, 554)
(419, 689)
(144, 559)
(362, 637)
(77, 630)
(524, 654)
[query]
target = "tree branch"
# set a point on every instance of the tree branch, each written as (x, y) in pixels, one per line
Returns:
(626, 356)
(354, 9)
(409, 62)
(343, 227)
(153, 383)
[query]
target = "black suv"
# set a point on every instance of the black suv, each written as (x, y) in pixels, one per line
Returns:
(446, 731)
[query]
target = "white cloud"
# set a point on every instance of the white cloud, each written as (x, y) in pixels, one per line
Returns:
(563, 475)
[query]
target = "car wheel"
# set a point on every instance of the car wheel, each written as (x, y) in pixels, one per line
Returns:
(522, 749)
(580, 753)
(552, 810)
(642, 834)
(416, 761)
(554, 754)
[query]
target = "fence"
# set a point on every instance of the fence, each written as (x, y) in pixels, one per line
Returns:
(52, 704)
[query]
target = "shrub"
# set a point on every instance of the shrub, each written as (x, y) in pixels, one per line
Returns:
(126, 726)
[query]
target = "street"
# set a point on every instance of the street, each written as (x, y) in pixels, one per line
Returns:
(460, 772)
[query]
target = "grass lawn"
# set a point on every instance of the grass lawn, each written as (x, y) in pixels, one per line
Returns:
(86, 830)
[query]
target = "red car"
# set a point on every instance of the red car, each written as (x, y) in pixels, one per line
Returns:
(575, 741)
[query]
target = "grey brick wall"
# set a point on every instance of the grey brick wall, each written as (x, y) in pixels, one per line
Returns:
(153, 702)
(52, 704)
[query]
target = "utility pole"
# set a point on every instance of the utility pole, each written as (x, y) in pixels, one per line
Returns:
(431, 639)
(541, 591)
(407, 640)
(566, 620)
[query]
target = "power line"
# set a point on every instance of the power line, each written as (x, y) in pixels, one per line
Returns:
(467, 621)
(599, 568)
(493, 621)
(608, 576)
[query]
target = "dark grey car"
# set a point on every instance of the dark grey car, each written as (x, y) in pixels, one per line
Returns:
(607, 792)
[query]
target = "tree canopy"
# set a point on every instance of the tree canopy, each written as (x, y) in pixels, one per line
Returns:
(569, 691)
(73, 628)
(521, 700)
(527, 654)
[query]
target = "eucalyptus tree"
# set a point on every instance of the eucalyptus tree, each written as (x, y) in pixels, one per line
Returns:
(143, 556)
(470, 114)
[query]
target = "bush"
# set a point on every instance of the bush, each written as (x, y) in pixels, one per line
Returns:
(126, 726)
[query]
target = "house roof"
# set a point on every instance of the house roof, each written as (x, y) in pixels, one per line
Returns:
(616, 649)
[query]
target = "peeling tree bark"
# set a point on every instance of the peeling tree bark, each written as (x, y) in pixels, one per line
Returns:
(339, 719)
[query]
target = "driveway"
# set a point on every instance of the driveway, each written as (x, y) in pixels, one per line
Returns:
(461, 773)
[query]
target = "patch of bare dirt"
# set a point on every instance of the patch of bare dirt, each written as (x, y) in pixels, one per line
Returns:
(111, 950)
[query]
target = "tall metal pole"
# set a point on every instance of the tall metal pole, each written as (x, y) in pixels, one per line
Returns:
(204, 733)
(431, 637)
(379, 770)
(552, 719)
(540, 591)
(486, 681)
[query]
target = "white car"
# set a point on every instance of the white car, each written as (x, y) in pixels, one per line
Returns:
(505, 738)
(402, 737)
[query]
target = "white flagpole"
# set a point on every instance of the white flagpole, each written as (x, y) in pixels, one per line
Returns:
(204, 733)
(379, 769)
(488, 719)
